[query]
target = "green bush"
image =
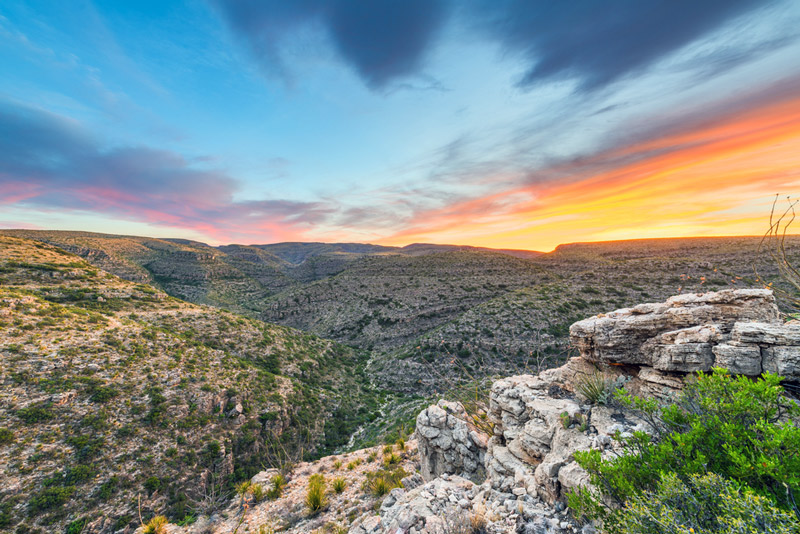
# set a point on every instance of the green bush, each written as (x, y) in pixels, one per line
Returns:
(741, 429)
(77, 526)
(704, 503)
(6, 436)
(153, 484)
(36, 413)
(50, 498)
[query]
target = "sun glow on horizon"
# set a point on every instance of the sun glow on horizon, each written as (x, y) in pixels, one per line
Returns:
(717, 180)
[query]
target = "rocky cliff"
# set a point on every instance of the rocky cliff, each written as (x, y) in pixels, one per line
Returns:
(541, 421)
(517, 478)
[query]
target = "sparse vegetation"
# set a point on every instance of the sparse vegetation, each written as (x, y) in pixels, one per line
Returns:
(384, 480)
(277, 484)
(6, 436)
(111, 403)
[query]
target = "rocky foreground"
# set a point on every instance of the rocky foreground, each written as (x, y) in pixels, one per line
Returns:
(517, 478)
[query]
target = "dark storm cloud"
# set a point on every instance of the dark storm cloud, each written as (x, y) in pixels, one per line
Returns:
(383, 40)
(598, 42)
(49, 162)
(595, 42)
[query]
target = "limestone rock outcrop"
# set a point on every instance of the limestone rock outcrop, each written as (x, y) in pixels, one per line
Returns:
(447, 443)
(739, 330)
(541, 421)
(449, 504)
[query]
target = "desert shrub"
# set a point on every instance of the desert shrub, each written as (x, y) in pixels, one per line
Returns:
(102, 394)
(157, 525)
(77, 474)
(391, 459)
(371, 457)
(243, 490)
(704, 503)
(36, 413)
(387, 449)
(316, 499)
(338, 484)
(337, 464)
(153, 484)
(458, 521)
(6, 436)
(277, 484)
(381, 482)
(401, 444)
(257, 491)
(49, 498)
(597, 389)
(740, 429)
(77, 526)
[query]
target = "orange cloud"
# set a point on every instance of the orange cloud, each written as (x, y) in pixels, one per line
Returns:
(718, 178)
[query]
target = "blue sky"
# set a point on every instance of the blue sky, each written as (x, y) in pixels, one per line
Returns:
(425, 120)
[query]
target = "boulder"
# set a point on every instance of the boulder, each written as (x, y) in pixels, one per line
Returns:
(447, 444)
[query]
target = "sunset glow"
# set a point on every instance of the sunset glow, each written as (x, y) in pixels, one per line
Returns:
(715, 180)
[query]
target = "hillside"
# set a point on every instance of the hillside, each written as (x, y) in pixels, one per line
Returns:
(428, 310)
(113, 390)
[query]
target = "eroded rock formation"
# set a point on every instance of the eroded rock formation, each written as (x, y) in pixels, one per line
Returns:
(739, 330)
(447, 443)
(541, 421)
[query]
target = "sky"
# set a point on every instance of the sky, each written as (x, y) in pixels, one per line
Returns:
(499, 123)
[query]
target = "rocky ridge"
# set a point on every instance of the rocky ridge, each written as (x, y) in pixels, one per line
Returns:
(541, 421)
(516, 479)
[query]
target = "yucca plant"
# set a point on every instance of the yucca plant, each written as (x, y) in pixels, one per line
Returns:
(257, 491)
(338, 484)
(391, 459)
(316, 499)
(595, 388)
(157, 525)
(277, 484)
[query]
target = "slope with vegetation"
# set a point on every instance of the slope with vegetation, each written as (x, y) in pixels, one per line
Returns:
(427, 311)
(116, 396)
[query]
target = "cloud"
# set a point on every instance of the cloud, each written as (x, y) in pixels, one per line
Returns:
(382, 40)
(49, 162)
(593, 42)
(600, 42)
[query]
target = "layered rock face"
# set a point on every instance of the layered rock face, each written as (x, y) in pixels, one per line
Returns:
(541, 421)
(739, 330)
